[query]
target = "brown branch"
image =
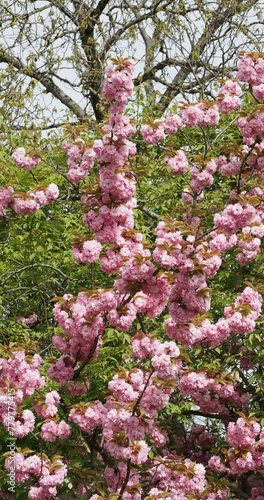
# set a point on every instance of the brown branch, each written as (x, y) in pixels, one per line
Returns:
(219, 19)
(148, 75)
(63, 9)
(209, 415)
(143, 392)
(125, 480)
(45, 80)
(58, 5)
(98, 10)
(18, 271)
(133, 22)
(141, 323)
(92, 77)
(93, 444)
(257, 141)
(86, 361)
(148, 212)
(44, 127)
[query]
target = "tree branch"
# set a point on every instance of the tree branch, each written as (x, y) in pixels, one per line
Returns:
(18, 271)
(148, 212)
(99, 8)
(45, 80)
(61, 8)
(209, 415)
(112, 40)
(168, 61)
(124, 485)
(198, 49)
(86, 361)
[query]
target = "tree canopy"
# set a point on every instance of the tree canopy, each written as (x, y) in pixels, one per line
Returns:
(53, 53)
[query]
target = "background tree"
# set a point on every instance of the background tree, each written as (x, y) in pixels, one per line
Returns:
(54, 52)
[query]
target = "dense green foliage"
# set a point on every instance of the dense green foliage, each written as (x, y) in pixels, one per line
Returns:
(36, 266)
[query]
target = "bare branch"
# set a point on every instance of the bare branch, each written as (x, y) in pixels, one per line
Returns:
(100, 8)
(25, 268)
(150, 213)
(46, 81)
(220, 17)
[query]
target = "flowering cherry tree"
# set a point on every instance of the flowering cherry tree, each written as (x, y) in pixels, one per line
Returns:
(181, 416)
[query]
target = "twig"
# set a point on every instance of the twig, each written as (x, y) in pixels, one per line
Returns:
(148, 212)
(209, 415)
(143, 392)
(126, 480)
(86, 361)
(18, 271)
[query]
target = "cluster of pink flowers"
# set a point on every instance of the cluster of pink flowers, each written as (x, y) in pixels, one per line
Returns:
(173, 251)
(52, 430)
(33, 201)
(30, 320)
(163, 355)
(246, 443)
(245, 224)
(129, 412)
(202, 177)
(62, 370)
(251, 70)
(27, 203)
(132, 243)
(251, 127)
(188, 296)
(171, 478)
(113, 203)
(135, 397)
(213, 393)
(246, 310)
(177, 163)
(87, 251)
(6, 198)
(113, 220)
(239, 318)
(80, 159)
(82, 321)
(139, 272)
(256, 161)
(204, 113)
(228, 97)
(21, 375)
(257, 487)
(172, 124)
(153, 133)
(22, 160)
(178, 479)
(24, 424)
(228, 165)
(47, 474)
(156, 131)
(46, 407)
